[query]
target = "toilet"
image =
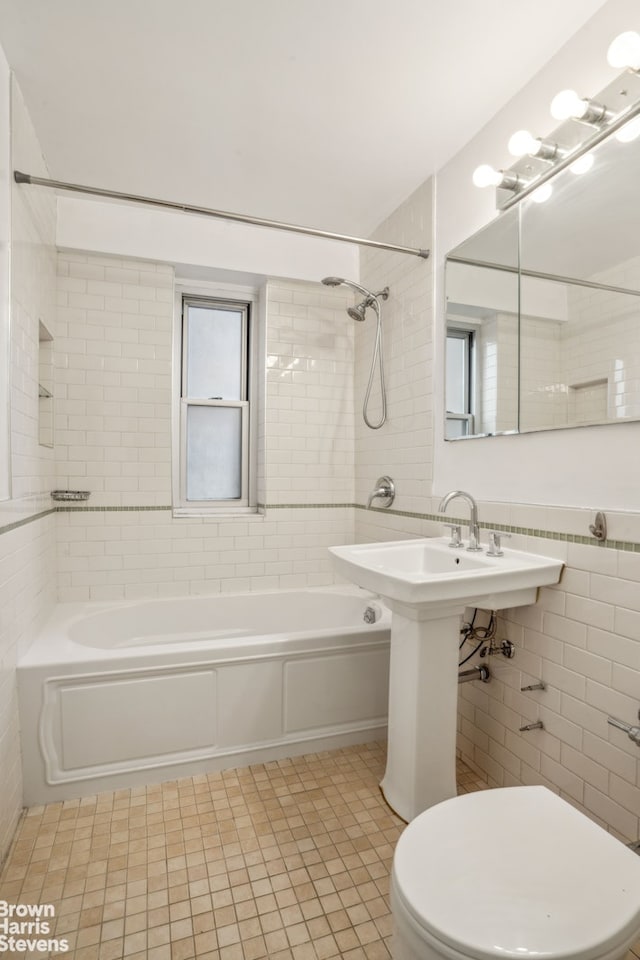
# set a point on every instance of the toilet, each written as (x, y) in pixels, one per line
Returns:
(512, 873)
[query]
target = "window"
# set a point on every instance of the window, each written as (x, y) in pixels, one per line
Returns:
(459, 382)
(215, 428)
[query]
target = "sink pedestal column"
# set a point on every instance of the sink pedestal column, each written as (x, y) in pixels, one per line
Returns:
(423, 706)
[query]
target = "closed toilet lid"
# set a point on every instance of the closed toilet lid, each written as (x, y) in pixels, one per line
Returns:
(517, 873)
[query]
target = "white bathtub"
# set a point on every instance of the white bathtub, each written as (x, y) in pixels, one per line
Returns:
(120, 694)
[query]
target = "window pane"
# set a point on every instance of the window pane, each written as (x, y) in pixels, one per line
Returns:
(456, 428)
(456, 376)
(214, 354)
(214, 444)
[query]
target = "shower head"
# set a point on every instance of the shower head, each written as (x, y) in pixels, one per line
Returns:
(338, 281)
(357, 312)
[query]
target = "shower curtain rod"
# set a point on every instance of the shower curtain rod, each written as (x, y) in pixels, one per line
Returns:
(20, 177)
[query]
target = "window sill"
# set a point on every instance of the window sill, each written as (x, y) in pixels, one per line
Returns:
(247, 515)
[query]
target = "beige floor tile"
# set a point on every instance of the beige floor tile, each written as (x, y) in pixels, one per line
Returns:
(287, 860)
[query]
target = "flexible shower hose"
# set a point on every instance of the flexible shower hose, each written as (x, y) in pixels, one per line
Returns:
(377, 355)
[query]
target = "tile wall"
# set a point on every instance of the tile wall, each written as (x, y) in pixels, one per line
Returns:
(582, 638)
(113, 423)
(27, 529)
(498, 358)
(582, 369)
(402, 447)
(309, 412)
(543, 391)
(601, 365)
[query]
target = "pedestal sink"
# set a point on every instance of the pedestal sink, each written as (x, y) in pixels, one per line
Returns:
(427, 585)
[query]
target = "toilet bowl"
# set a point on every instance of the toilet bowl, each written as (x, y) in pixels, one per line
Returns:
(512, 873)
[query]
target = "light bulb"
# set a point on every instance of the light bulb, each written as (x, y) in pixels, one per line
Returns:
(624, 51)
(486, 176)
(582, 164)
(629, 131)
(568, 104)
(542, 193)
(523, 144)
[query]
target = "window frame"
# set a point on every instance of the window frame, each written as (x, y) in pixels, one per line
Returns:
(215, 296)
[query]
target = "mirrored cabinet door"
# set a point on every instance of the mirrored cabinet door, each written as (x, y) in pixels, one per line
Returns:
(548, 297)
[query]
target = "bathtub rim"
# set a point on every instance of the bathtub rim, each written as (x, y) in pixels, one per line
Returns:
(53, 647)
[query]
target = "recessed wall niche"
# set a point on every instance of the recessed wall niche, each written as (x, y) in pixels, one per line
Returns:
(45, 386)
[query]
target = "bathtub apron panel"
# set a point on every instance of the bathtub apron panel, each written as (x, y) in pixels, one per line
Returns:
(112, 696)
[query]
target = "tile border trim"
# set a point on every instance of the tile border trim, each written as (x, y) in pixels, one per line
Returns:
(624, 545)
(629, 546)
(15, 524)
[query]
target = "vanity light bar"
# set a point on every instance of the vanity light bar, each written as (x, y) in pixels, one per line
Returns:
(602, 134)
(567, 105)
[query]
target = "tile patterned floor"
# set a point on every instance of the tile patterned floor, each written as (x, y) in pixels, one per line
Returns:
(287, 861)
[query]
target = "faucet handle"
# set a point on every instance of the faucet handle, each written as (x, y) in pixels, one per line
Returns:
(495, 546)
(384, 490)
(456, 534)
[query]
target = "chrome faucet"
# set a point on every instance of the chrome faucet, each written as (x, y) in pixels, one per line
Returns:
(474, 529)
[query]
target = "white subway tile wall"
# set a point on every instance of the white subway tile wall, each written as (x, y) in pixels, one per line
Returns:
(27, 551)
(113, 437)
(136, 554)
(113, 379)
(309, 405)
(582, 369)
(27, 593)
(582, 638)
(403, 447)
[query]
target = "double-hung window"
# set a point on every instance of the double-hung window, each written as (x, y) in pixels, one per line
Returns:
(214, 415)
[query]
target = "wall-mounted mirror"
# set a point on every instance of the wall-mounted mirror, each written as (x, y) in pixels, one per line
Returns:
(543, 306)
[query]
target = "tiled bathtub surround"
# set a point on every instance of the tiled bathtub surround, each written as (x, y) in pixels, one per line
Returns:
(27, 562)
(134, 554)
(309, 455)
(27, 543)
(114, 438)
(403, 446)
(113, 379)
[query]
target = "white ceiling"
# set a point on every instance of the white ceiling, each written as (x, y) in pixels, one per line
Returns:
(326, 113)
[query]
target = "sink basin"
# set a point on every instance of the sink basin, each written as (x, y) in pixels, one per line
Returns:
(428, 584)
(427, 571)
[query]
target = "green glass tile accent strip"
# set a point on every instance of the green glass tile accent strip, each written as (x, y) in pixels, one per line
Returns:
(69, 509)
(306, 506)
(8, 527)
(624, 545)
(586, 541)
